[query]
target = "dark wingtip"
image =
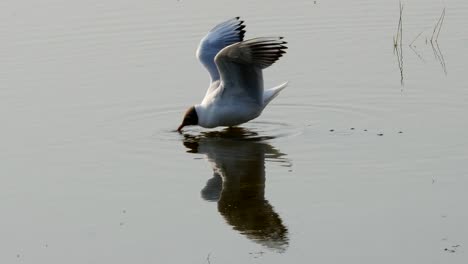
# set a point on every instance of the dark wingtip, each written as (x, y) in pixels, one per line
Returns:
(240, 28)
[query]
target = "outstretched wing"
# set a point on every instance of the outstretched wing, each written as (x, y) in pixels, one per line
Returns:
(221, 36)
(240, 66)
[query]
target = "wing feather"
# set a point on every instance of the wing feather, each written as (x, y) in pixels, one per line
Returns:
(257, 52)
(221, 36)
(240, 65)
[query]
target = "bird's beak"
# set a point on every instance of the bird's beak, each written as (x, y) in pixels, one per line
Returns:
(179, 129)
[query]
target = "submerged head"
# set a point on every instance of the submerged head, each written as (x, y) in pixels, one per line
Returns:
(190, 118)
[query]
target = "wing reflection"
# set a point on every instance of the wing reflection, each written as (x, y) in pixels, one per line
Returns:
(238, 183)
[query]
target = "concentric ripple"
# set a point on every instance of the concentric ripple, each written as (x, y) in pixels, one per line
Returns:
(251, 131)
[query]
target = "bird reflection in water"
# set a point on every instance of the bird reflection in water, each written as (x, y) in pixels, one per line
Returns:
(237, 156)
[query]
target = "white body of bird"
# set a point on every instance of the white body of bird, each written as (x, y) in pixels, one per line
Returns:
(236, 94)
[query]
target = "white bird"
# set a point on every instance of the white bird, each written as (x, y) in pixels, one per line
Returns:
(236, 93)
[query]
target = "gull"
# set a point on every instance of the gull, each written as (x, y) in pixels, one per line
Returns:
(236, 93)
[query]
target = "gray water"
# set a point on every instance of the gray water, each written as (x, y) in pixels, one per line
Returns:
(362, 159)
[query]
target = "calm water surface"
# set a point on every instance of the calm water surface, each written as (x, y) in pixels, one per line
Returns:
(362, 159)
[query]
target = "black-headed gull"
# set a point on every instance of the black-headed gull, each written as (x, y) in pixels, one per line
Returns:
(236, 93)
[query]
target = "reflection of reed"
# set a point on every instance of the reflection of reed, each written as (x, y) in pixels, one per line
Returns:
(398, 47)
(399, 54)
(397, 44)
(435, 44)
(438, 55)
(238, 184)
(438, 26)
(397, 39)
(417, 54)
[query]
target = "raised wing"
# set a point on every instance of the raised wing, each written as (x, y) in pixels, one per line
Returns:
(240, 66)
(221, 36)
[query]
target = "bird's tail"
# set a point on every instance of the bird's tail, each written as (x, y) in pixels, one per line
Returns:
(271, 93)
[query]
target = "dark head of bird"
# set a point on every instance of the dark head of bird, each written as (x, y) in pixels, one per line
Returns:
(190, 118)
